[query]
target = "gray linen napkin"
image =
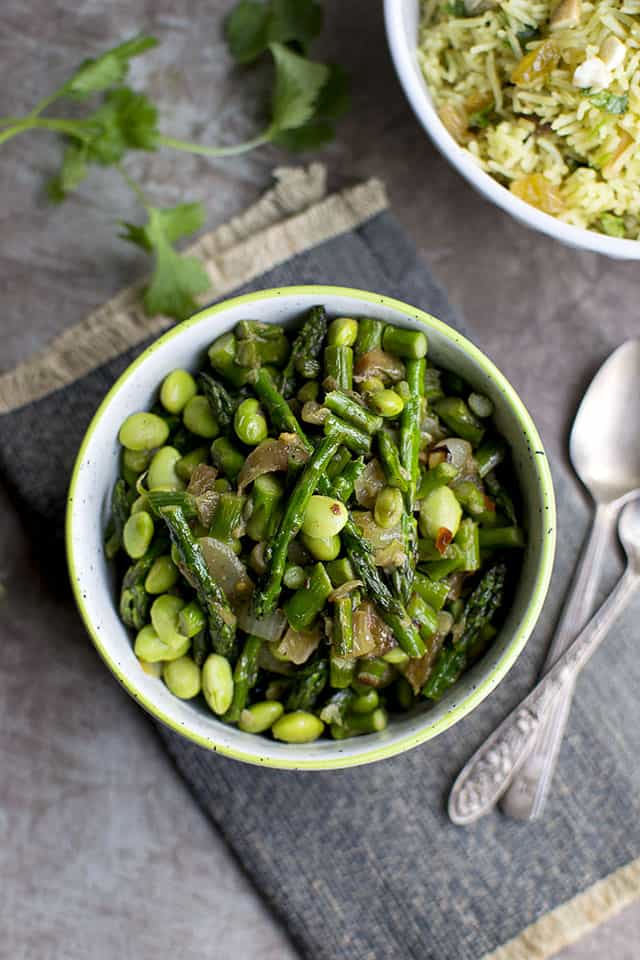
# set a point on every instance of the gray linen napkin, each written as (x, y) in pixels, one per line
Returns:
(364, 863)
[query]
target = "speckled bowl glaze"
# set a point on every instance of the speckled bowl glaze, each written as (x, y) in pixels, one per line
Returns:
(402, 18)
(97, 468)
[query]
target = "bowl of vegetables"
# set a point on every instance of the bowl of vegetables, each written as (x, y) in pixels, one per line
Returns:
(310, 527)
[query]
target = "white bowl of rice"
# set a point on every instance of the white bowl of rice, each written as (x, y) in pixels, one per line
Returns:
(536, 103)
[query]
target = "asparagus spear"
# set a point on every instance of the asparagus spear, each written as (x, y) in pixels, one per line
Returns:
(459, 419)
(336, 707)
(342, 627)
(245, 674)
(394, 471)
(309, 684)
(134, 599)
(353, 412)
(306, 603)
(338, 367)
(410, 427)
(352, 437)
(221, 618)
(343, 485)
(478, 613)
(369, 335)
(266, 595)
(305, 352)
(218, 398)
(280, 413)
(120, 509)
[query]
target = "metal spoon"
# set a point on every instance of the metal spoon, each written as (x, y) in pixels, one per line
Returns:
(485, 776)
(605, 452)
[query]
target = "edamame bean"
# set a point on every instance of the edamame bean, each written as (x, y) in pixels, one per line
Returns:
(387, 403)
(217, 683)
(178, 387)
(162, 471)
(227, 457)
(388, 507)
(343, 332)
(440, 511)
(136, 460)
(371, 385)
(365, 702)
(164, 617)
(294, 577)
(397, 657)
(198, 418)
(250, 423)
(187, 464)
(162, 576)
(151, 669)
(140, 503)
(222, 485)
(150, 647)
(298, 727)
(175, 555)
(260, 716)
(191, 619)
(143, 431)
(480, 405)
(309, 391)
(324, 517)
(322, 548)
(137, 534)
(182, 677)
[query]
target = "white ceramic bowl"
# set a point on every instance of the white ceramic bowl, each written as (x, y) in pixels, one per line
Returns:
(402, 22)
(96, 470)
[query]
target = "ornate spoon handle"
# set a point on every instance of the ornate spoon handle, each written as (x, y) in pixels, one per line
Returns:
(492, 767)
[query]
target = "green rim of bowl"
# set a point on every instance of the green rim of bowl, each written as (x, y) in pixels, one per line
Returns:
(528, 619)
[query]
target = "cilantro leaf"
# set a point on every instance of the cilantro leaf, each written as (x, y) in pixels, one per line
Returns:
(125, 120)
(176, 279)
(295, 21)
(71, 174)
(176, 222)
(107, 70)
(246, 30)
(612, 225)
(298, 83)
(333, 100)
(611, 102)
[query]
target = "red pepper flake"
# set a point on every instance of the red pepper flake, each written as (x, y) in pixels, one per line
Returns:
(489, 504)
(443, 539)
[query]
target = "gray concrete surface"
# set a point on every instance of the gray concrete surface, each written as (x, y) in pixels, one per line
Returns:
(102, 852)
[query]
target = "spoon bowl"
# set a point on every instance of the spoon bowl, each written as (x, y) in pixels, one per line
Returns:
(604, 445)
(629, 533)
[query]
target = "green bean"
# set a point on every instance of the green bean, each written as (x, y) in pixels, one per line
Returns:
(178, 387)
(369, 336)
(162, 470)
(435, 594)
(353, 412)
(266, 595)
(308, 685)
(365, 702)
(222, 621)
(501, 538)
(182, 677)
(342, 639)
(297, 727)
(354, 439)
(198, 418)
(250, 423)
(222, 357)
(357, 724)
(396, 475)
(148, 646)
(388, 508)
(341, 671)
(245, 674)
(344, 484)
(162, 576)
(323, 548)
(324, 517)
(137, 534)
(336, 707)
(227, 458)
(459, 419)
(338, 367)
(409, 344)
(304, 358)
(219, 401)
(305, 604)
(468, 543)
(217, 683)
(438, 476)
(143, 431)
(260, 717)
(120, 510)
(387, 403)
(187, 464)
(191, 619)
(489, 456)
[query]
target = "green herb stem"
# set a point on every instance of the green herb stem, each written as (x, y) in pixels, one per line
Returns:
(204, 151)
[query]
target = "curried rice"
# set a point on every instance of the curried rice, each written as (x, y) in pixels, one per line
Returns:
(545, 96)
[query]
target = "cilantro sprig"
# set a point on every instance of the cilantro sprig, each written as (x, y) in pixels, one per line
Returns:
(306, 98)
